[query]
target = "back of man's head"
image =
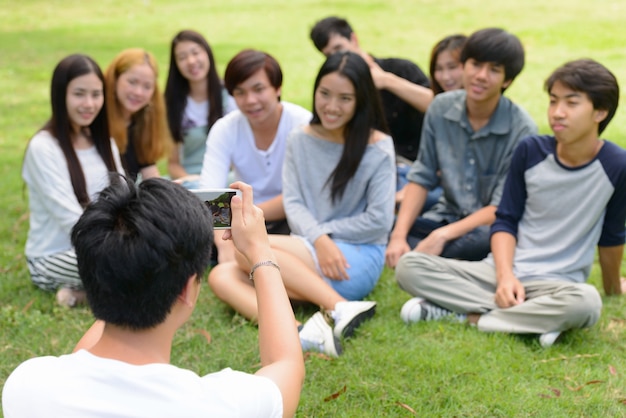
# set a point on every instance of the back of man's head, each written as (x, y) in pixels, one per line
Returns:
(323, 29)
(137, 246)
(592, 78)
(498, 46)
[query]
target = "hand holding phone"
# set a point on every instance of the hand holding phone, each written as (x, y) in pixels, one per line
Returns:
(249, 233)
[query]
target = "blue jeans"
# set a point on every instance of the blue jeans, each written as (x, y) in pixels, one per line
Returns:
(472, 246)
(433, 195)
(401, 171)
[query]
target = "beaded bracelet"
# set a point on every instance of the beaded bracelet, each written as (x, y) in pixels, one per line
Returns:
(261, 264)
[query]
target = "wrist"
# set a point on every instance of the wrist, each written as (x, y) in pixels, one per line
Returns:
(256, 255)
(503, 277)
(441, 233)
(395, 236)
(262, 257)
(321, 239)
(447, 232)
(384, 80)
(262, 264)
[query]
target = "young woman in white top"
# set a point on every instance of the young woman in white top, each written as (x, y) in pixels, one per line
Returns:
(195, 99)
(338, 187)
(66, 164)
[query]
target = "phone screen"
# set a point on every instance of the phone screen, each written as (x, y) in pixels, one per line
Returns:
(218, 202)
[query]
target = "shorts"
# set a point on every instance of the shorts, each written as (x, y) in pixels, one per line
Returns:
(366, 265)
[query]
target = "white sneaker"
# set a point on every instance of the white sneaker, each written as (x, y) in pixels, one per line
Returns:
(548, 338)
(349, 315)
(317, 335)
(419, 309)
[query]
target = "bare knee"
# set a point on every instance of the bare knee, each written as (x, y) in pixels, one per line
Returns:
(221, 279)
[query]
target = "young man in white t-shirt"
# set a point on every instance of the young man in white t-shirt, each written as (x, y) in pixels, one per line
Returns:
(251, 141)
(141, 269)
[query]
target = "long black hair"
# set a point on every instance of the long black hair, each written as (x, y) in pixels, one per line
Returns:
(59, 124)
(177, 87)
(368, 115)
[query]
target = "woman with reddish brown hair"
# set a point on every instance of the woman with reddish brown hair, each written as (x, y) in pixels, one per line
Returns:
(137, 117)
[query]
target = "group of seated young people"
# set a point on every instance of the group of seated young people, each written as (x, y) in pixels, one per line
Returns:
(444, 180)
(93, 130)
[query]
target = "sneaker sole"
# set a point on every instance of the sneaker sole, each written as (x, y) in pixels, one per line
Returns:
(348, 330)
(338, 346)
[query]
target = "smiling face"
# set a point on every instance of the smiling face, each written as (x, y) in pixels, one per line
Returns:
(483, 81)
(449, 70)
(335, 102)
(192, 61)
(257, 99)
(135, 87)
(84, 99)
(572, 117)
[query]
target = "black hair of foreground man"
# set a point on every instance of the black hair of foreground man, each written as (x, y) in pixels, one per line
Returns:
(134, 256)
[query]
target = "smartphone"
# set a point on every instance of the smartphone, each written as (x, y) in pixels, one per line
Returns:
(218, 202)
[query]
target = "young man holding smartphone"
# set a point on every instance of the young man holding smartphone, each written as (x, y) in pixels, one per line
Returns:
(142, 269)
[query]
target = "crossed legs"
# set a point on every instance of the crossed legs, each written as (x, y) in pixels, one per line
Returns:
(469, 287)
(229, 281)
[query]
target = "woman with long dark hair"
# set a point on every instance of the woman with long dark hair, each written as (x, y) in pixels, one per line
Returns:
(195, 98)
(65, 167)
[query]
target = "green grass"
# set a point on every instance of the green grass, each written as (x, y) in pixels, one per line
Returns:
(388, 369)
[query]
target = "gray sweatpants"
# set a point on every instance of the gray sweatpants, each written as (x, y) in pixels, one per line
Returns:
(469, 287)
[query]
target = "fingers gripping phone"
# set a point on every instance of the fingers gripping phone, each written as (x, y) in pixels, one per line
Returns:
(218, 202)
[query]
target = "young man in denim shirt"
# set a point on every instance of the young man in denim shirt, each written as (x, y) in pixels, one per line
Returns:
(565, 195)
(467, 141)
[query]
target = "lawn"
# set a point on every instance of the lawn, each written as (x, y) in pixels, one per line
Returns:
(388, 369)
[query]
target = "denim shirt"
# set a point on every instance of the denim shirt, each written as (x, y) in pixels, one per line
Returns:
(472, 165)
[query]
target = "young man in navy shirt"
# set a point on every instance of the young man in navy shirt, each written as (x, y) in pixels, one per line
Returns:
(564, 195)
